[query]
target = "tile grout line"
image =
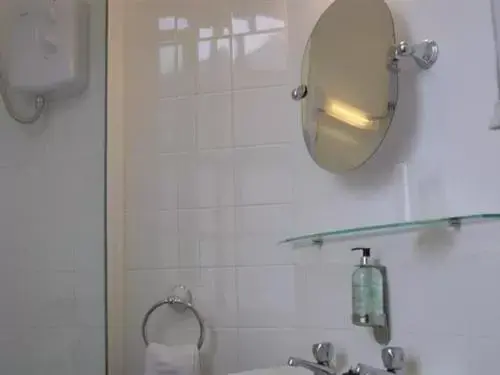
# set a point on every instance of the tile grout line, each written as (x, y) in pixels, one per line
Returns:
(283, 144)
(221, 92)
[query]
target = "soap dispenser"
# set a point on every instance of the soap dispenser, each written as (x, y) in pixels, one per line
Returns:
(368, 292)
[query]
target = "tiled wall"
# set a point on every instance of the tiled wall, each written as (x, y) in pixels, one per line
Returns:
(52, 231)
(217, 174)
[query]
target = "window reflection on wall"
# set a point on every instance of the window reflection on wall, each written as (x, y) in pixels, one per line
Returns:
(194, 52)
(207, 48)
(256, 35)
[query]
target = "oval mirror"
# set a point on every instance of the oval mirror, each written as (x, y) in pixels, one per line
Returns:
(349, 90)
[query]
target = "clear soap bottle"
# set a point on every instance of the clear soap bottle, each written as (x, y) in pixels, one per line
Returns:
(368, 284)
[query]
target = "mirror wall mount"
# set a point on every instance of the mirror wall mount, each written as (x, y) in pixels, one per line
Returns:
(299, 93)
(425, 53)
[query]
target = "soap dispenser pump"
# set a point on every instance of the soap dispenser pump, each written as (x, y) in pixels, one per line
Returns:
(368, 292)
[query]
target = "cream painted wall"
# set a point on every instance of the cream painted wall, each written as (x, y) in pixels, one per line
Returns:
(217, 174)
(115, 185)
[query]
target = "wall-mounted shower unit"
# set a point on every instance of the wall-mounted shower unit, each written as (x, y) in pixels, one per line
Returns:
(47, 55)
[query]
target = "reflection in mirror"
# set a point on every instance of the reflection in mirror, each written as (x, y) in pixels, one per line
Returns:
(351, 92)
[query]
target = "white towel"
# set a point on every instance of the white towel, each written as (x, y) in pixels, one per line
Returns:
(284, 370)
(172, 360)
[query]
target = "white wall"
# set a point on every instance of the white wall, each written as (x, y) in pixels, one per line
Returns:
(217, 174)
(52, 231)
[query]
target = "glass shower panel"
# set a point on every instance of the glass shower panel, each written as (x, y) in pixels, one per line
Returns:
(52, 224)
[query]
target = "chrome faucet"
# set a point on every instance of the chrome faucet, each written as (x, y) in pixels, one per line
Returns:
(394, 362)
(323, 354)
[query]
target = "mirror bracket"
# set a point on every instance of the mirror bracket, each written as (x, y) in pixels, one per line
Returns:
(425, 54)
(299, 93)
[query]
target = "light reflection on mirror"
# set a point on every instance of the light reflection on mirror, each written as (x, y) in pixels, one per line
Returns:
(349, 115)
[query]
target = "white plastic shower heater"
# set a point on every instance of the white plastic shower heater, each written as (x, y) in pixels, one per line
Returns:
(48, 50)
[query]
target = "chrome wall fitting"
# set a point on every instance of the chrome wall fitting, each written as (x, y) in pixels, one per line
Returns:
(299, 92)
(425, 54)
(394, 362)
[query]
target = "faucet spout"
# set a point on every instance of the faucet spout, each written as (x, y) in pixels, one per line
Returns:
(317, 369)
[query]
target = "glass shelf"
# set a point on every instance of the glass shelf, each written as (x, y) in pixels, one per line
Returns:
(454, 222)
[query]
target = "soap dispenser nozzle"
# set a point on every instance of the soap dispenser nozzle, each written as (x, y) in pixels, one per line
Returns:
(365, 259)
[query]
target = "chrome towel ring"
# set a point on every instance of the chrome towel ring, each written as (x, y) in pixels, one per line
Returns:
(180, 305)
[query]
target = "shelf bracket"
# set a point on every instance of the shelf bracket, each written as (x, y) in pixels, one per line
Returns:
(455, 223)
(319, 242)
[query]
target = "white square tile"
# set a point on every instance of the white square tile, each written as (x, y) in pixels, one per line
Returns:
(48, 298)
(12, 311)
(316, 193)
(133, 361)
(335, 310)
(259, 59)
(152, 240)
(439, 353)
(266, 297)
(90, 298)
(206, 179)
(51, 351)
(176, 125)
(264, 348)
(214, 121)
(442, 287)
(257, 16)
(260, 43)
(10, 360)
(259, 229)
(220, 354)
(143, 289)
(177, 67)
(189, 248)
(263, 116)
(91, 351)
(207, 237)
(216, 296)
(166, 181)
(151, 22)
(173, 20)
(214, 65)
(263, 175)
(40, 249)
(151, 182)
(202, 19)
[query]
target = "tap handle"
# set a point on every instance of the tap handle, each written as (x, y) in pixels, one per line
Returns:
(393, 358)
(323, 353)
